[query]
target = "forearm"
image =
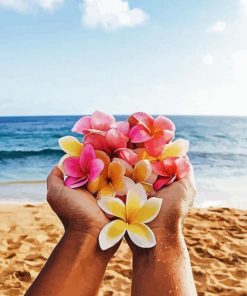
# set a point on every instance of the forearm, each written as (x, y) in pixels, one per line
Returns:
(75, 267)
(164, 269)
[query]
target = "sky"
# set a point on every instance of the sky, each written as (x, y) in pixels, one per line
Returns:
(61, 57)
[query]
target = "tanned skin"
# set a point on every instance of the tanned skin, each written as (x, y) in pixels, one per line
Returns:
(77, 265)
(166, 268)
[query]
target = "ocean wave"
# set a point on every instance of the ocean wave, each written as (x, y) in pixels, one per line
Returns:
(29, 153)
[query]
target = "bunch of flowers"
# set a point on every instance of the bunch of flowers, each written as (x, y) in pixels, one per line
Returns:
(123, 164)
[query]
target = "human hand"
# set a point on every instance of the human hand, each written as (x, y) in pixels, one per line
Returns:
(177, 200)
(76, 208)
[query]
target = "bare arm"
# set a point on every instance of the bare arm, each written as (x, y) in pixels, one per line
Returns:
(166, 268)
(77, 265)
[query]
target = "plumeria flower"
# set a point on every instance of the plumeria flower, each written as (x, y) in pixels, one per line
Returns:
(178, 148)
(103, 132)
(71, 146)
(112, 181)
(128, 155)
(154, 133)
(142, 173)
(169, 170)
(130, 217)
(82, 169)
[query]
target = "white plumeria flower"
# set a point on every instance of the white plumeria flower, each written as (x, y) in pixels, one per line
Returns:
(132, 216)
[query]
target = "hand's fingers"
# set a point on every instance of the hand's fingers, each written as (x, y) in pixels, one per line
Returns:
(190, 177)
(55, 178)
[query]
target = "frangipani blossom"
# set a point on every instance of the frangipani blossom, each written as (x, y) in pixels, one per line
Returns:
(178, 148)
(82, 169)
(71, 146)
(142, 173)
(169, 170)
(113, 181)
(99, 122)
(131, 218)
(103, 132)
(154, 133)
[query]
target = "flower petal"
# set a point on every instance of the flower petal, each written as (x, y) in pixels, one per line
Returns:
(73, 182)
(149, 210)
(122, 185)
(114, 140)
(116, 170)
(162, 182)
(106, 191)
(156, 145)
(70, 145)
(111, 234)
(82, 125)
(128, 167)
(141, 235)
(102, 121)
(95, 168)
(72, 167)
(139, 134)
(86, 156)
(123, 127)
(136, 197)
(61, 161)
(178, 148)
(128, 155)
(149, 188)
(113, 206)
(183, 167)
(106, 159)
(163, 123)
(141, 118)
(142, 171)
(96, 140)
(159, 168)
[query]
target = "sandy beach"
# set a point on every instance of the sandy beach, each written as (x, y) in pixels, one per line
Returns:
(216, 238)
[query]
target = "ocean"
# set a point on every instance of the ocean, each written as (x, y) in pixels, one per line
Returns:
(218, 151)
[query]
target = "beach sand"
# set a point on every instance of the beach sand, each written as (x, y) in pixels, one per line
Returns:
(216, 239)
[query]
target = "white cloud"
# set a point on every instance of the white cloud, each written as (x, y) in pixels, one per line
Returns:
(244, 6)
(229, 96)
(50, 5)
(111, 14)
(208, 59)
(217, 27)
(27, 6)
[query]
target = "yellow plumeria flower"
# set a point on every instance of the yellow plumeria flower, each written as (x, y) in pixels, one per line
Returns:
(131, 218)
(71, 146)
(116, 181)
(178, 148)
(141, 173)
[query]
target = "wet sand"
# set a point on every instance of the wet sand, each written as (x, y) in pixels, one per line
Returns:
(216, 239)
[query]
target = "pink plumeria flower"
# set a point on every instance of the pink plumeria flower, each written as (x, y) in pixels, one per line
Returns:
(71, 146)
(103, 132)
(83, 169)
(154, 133)
(99, 123)
(169, 170)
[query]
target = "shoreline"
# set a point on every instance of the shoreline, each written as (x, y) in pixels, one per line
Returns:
(211, 192)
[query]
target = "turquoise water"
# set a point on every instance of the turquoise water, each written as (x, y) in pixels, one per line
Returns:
(218, 151)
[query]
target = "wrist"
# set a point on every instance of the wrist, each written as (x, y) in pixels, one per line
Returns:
(166, 242)
(87, 244)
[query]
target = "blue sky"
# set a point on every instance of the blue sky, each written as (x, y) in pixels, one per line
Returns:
(169, 57)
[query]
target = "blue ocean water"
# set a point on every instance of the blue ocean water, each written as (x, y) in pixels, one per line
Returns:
(218, 147)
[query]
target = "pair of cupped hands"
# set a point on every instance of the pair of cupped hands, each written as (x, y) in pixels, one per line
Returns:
(79, 212)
